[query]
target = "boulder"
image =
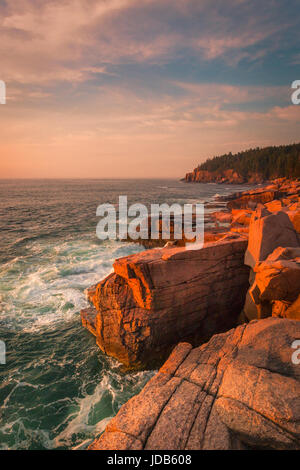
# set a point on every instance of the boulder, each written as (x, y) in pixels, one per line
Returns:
(268, 231)
(294, 216)
(293, 207)
(159, 297)
(221, 216)
(241, 390)
(251, 199)
(274, 206)
(293, 311)
(241, 217)
(241, 229)
(214, 235)
(269, 292)
(279, 308)
(278, 278)
(290, 199)
(276, 284)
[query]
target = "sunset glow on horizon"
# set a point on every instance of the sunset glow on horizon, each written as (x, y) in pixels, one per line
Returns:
(143, 88)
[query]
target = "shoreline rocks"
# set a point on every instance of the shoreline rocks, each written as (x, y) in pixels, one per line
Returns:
(226, 176)
(241, 389)
(238, 391)
(251, 198)
(160, 297)
(235, 210)
(273, 254)
(268, 231)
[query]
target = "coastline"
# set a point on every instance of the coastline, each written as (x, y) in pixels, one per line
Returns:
(132, 305)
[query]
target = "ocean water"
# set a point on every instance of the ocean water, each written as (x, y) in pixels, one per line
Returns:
(57, 389)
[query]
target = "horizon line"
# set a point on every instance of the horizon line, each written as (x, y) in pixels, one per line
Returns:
(92, 178)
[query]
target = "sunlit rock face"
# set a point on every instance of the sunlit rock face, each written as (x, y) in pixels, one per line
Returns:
(267, 232)
(273, 253)
(241, 390)
(157, 298)
(226, 176)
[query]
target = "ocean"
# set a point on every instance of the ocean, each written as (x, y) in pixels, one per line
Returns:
(57, 389)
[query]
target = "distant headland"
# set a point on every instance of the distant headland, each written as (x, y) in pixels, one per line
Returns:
(250, 166)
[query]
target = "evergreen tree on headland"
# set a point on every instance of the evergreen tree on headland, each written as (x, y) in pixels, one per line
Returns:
(269, 162)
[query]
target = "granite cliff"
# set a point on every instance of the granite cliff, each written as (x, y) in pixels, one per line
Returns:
(240, 390)
(159, 297)
(233, 381)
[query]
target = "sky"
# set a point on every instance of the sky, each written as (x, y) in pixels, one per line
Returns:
(143, 88)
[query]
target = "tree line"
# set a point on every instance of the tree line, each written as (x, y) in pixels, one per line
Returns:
(270, 162)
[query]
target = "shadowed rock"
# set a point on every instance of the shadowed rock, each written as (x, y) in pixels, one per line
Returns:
(293, 311)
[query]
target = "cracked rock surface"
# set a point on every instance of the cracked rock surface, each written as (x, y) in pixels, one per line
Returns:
(240, 390)
(273, 253)
(159, 297)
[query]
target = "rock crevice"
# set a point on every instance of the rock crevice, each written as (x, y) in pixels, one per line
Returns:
(160, 297)
(240, 390)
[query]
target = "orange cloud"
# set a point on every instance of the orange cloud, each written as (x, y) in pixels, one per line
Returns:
(90, 94)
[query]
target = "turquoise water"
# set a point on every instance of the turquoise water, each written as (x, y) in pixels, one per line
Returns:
(57, 390)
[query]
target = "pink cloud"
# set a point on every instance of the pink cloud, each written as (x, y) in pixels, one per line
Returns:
(61, 40)
(233, 94)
